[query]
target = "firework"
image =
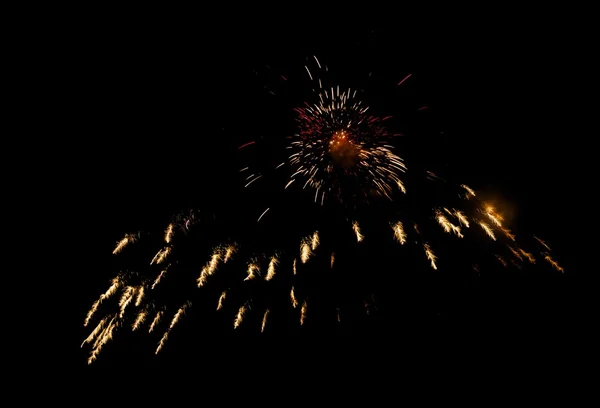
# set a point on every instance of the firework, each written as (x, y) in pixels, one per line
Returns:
(339, 261)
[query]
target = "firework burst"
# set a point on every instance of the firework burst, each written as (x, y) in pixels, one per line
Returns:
(321, 271)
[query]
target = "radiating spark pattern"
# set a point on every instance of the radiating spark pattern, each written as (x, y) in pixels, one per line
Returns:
(338, 143)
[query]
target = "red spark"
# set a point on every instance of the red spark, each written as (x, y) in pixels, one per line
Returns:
(405, 78)
(247, 144)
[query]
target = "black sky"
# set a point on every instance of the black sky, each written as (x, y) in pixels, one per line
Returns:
(167, 106)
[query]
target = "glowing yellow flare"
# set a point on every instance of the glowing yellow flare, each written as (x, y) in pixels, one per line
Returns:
(169, 234)
(155, 321)
(221, 299)
(293, 298)
(430, 256)
(239, 318)
(488, 230)
(303, 312)
(139, 320)
(128, 239)
(399, 233)
(356, 228)
(253, 270)
(554, 264)
(271, 269)
(264, 321)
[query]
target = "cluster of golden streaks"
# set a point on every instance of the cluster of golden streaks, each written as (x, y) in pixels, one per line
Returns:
(493, 215)
(447, 225)
(554, 264)
(95, 332)
(399, 233)
(126, 298)
(140, 295)
(294, 265)
(128, 239)
(221, 299)
(527, 255)
(156, 320)
(543, 243)
(315, 241)
(102, 339)
(264, 321)
(332, 259)
(487, 229)
(115, 284)
(210, 268)
(169, 233)
(176, 319)
(219, 253)
(253, 270)
(515, 253)
(271, 269)
(462, 219)
(159, 277)
(356, 229)
(470, 192)
(305, 251)
(430, 256)
(303, 312)
(161, 255)
(293, 298)
(139, 320)
(239, 317)
(502, 261)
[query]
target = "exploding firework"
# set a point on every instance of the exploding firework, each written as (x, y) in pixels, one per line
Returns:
(354, 257)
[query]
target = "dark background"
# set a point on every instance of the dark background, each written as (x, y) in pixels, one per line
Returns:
(156, 103)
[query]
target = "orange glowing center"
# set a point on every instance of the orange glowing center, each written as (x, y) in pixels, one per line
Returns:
(343, 150)
(339, 137)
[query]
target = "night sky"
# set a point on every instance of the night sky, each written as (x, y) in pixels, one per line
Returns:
(161, 112)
